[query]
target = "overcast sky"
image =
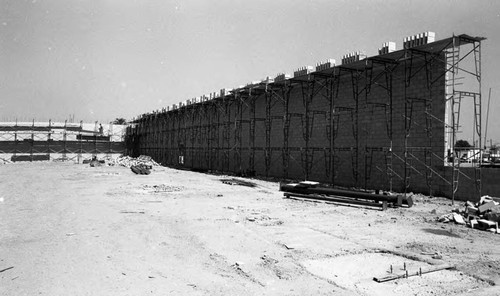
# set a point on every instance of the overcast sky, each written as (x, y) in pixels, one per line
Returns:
(102, 59)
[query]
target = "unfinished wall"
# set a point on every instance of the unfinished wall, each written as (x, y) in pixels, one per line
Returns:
(59, 140)
(377, 124)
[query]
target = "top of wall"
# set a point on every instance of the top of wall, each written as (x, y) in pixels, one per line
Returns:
(356, 61)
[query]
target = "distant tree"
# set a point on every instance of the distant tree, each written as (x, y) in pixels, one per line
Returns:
(462, 144)
(120, 121)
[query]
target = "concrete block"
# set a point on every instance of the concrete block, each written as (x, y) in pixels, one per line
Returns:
(494, 217)
(484, 207)
(486, 224)
(485, 199)
(495, 209)
(458, 219)
(471, 218)
(472, 211)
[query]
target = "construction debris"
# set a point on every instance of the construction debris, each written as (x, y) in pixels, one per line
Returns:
(128, 161)
(484, 215)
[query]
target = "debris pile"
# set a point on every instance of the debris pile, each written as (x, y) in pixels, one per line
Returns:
(484, 215)
(128, 161)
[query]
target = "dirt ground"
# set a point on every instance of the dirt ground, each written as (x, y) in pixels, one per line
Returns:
(71, 229)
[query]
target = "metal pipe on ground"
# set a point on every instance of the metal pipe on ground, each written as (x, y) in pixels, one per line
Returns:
(305, 189)
(338, 199)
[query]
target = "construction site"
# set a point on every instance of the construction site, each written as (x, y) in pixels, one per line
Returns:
(341, 179)
(387, 122)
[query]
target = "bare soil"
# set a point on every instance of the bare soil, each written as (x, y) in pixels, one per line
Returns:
(72, 229)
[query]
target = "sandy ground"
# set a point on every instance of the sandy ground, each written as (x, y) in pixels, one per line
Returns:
(70, 229)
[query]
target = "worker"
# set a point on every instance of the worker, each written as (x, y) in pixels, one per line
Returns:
(101, 130)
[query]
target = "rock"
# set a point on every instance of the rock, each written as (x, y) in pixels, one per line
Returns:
(459, 219)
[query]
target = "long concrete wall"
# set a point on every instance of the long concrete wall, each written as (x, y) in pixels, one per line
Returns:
(374, 124)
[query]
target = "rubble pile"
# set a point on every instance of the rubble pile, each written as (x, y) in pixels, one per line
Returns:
(128, 161)
(484, 215)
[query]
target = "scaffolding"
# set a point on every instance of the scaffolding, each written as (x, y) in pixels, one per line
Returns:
(384, 122)
(67, 141)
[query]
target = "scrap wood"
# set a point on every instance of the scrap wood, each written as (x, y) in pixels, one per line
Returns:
(408, 274)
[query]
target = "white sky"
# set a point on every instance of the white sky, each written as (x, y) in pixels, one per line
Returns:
(103, 59)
